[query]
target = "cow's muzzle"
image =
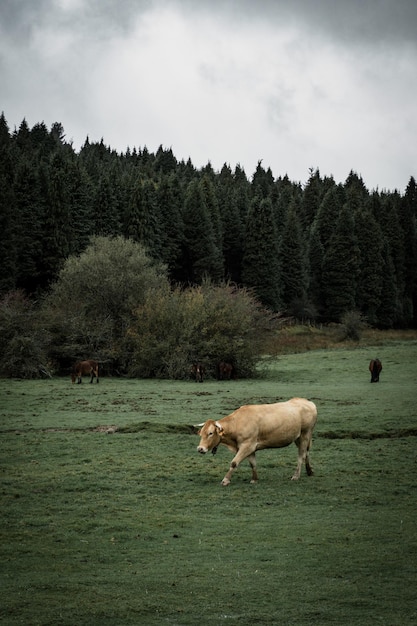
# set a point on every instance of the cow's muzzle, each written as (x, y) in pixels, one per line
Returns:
(202, 450)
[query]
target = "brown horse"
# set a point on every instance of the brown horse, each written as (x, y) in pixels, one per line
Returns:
(85, 367)
(226, 370)
(198, 371)
(375, 367)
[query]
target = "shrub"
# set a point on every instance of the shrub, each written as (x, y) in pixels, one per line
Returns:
(208, 323)
(353, 324)
(23, 341)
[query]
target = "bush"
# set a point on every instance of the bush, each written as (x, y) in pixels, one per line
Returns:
(353, 324)
(23, 341)
(208, 323)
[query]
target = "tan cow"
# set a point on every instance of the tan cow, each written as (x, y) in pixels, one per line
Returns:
(258, 426)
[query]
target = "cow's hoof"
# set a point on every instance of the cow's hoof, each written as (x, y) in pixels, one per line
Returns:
(253, 482)
(225, 482)
(295, 477)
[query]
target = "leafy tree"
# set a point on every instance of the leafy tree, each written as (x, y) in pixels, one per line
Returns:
(90, 306)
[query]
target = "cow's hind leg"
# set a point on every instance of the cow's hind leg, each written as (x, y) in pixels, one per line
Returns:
(252, 462)
(303, 445)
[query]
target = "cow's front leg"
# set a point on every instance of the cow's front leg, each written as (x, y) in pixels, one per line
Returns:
(242, 454)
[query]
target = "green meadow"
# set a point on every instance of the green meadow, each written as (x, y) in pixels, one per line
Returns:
(110, 516)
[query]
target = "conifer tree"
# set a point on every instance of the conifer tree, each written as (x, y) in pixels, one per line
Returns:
(315, 289)
(262, 181)
(311, 199)
(170, 202)
(203, 257)
(340, 267)
(142, 221)
(292, 262)
(56, 240)
(260, 264)
(388, 312)
(408, 221)
(28, 225)
(370, 278)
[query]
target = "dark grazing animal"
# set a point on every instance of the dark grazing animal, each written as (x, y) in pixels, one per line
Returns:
(259, 426)
(85, 367)
(226, 370)
(375, 367)
(198, 372)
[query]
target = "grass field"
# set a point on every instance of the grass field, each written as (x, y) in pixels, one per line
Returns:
(134, 528)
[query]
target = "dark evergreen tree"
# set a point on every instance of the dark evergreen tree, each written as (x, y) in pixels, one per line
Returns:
(370, 275)
(210, 199)
(165, 161)
(395, 238)
(260, 264)
(203, 257)
(285, 194)
(389, 309)
(8, 247)
(408, 219)
(340, 268)
(315, 289)
(142, 222)
(293, 263)
(170, 202)
(5, 138)
(105, 213)
(80, 198)
(22, 138)
(56, 239)
(28, 226)
(262, 181)
(328, 214)
(233, 235)
(311, 199)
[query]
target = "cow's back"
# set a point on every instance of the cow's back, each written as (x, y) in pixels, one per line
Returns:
(274, 425)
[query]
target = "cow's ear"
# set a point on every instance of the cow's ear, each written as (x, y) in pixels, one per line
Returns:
(219, 428)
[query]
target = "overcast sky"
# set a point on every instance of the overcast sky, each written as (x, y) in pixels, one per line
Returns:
(328, 84)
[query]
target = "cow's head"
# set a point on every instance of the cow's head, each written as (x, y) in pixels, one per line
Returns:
(211, 435)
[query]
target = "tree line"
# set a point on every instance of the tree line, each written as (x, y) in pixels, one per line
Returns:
(313, 251)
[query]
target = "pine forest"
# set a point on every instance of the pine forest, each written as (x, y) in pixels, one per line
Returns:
(310, 251)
